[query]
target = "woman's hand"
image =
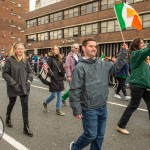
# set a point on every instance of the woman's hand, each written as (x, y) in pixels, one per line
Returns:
(125, 46)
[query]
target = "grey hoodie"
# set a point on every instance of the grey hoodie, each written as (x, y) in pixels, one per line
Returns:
(89, 85)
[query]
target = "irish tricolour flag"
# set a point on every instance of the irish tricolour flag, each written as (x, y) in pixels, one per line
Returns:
(127, 16)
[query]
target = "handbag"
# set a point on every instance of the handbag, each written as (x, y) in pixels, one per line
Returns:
(45, 79)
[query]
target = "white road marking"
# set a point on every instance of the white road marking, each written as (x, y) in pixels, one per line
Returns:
(126, 106)
(39, 87)
(13, 142)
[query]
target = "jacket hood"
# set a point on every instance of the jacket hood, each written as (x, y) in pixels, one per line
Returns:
(89, 61)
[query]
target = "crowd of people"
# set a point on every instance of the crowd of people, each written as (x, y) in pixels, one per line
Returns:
(89, 78)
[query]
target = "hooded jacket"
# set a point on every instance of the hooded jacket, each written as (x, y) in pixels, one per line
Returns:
(16, 74)
(89, 85)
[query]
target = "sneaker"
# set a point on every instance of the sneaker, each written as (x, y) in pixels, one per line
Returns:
(117, 96)
(64, 103)
(59, 112)
(71, 145)
(123, 131)
(44, 106)
(127, 98)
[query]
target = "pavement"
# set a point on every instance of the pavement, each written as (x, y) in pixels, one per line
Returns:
(53, 132)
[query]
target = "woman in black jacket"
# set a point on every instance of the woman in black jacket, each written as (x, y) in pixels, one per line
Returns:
(18, 75)
(57, 76)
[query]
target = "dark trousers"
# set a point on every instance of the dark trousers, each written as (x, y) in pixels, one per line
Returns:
(121, 86)
(24, 104)
(136, 95)
(35, 67)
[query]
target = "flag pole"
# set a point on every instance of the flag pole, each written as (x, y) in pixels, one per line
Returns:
(119, 26)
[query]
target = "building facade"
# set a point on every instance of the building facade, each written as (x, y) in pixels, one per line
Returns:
(70, 21)
(12, 23)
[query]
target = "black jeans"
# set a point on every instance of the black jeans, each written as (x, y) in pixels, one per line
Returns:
(136, 95)
(24, 104)
(121, 86)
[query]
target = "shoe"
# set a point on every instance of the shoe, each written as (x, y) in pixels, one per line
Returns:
(64, 103)
(71, 145)
(127, 98)
(123, 131)
(44, 106)
(59, 112)
(8, 122)
(117, 96)
(26, 130)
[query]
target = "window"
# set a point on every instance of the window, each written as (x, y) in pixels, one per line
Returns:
(56, 34)
(89, 8)
(43, 36)
(103, 27)
(117, 26)
(19, 39)
(89, 29)
(31, 23)
(71, 32)
(19, 16)
(106, 4)
(31, 38)
(70, 13)
(110, 26)
(56, 16)
(19, 5)
(146, 20)
(43, 20)
(19, 28)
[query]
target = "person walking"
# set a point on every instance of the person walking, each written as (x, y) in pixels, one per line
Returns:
(71, 61)
(88, 96)
(121, 76)
(139, 81)
(57, 76)
(17, 73)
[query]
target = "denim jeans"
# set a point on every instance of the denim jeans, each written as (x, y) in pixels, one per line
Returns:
(24, 104)
(52, 96)
(94, 125)
(137, 94)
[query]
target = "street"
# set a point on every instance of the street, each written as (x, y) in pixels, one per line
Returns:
(53, 132)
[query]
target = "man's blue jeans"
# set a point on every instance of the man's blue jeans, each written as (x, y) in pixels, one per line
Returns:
(52, 96)
(94, 125)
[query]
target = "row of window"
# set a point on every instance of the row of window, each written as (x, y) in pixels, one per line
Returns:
(77, 11)
(89, 29)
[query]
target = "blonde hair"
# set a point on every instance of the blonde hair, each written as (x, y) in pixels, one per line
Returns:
(12, 52)
(51, 53)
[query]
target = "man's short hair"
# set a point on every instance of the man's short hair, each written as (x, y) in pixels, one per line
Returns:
(84, 43)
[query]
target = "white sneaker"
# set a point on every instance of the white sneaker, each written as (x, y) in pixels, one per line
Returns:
(127, 98)
(71, 145)
(117, 96)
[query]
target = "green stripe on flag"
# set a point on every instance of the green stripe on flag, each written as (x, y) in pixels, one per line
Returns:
(118, 10)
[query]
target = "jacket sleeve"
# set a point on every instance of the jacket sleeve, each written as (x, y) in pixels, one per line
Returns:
(30, 72)
(7, 74)
(68, 66)
(121, 60)
(76, 87)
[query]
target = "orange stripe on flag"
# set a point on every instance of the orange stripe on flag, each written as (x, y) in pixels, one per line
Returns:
(136, 23)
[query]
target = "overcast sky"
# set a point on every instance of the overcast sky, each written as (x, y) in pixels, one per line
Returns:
(32, 5)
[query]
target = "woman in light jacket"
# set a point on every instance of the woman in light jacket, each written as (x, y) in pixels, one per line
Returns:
(18, 76)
